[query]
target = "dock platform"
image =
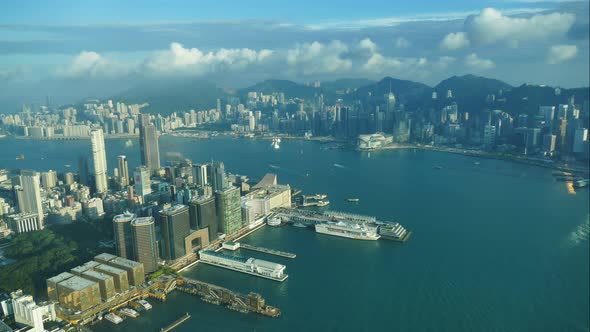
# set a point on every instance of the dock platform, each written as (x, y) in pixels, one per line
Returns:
(177, 322)
(268, 251)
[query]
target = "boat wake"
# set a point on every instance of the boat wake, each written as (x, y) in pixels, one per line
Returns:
(580, 234)
(340, 166)
(273, 166)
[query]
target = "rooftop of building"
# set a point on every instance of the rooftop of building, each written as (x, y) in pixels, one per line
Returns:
(125, 262)
(142, 221)
(76, 283)
(23, 215)
(174, 209)
(125, 217)
(110, 269)
(60, 277)
(105, 256)
(85, 267)
(97, 275)
(269, 179)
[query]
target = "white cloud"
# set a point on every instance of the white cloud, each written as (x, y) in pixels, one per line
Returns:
(178, 59)
(317, 58)
(475, 62)
(492, 26)
(90, 64)
(368, 44)
(561, 53)
(401, 42)
(454, 41)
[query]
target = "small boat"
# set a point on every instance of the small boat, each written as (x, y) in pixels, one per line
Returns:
(353, 200)
(582, 183)
(21, 157)
(476, 163)
(129, 312)
(438, 167)
(145, 304)
(300, 225)
(323, 203)
(274, 221)
(238, 308)
(111, 317)
(66, 165)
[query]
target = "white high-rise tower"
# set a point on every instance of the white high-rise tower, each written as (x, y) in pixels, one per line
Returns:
(100, 160)
(29, 195)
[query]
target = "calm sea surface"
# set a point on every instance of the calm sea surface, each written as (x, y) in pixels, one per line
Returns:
(496, 246)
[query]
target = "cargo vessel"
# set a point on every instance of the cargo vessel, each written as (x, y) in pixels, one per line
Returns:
(348, 230)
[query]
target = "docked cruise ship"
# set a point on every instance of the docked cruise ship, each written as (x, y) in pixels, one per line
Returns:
(349, 230)
(257, 267)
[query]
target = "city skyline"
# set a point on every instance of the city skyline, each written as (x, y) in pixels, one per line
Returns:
(519, 42)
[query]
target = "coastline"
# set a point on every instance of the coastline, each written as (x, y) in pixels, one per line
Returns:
(492, 155)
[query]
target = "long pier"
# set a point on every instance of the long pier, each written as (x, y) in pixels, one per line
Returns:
(218, 295)
(177, 322)
(268, 251)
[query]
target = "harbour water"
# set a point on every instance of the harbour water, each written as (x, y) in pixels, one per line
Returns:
(495, 247)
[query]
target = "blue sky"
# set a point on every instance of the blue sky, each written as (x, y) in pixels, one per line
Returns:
(71, 49)
(303, 11)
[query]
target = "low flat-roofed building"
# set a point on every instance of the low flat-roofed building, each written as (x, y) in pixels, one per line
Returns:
(52, 285)
(105, 282)
(77, 293)
(78, 270)
(104, 258)
(135, 271)
(119, 277)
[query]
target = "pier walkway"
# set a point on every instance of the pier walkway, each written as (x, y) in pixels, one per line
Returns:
(268, 251)
(177, 322)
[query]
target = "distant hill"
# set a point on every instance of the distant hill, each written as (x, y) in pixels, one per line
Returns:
(402, 89)
(289, 88)
(527, 98)
(168, 96)
(470, 87)
(346, 84)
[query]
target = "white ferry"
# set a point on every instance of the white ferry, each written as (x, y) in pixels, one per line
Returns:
(144, 304)
(111, 317)
(348, 230)
(274, 221)
(129, 312)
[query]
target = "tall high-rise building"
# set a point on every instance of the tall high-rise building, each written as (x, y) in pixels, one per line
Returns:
(148, 144)
(580, 140)
(123, 235)
(143, 231)
(218, 176)
(83, 170)
(100, 160)
(123, 171)
(29, 195)
(142, 181)
(49, 179)
(175, 226)
(229, 211)
(200, 175)
(203, 214)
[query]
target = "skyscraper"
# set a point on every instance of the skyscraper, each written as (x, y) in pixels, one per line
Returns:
(143, 231)
(175, 226)
(219, 178)
(148, 144)
(100, 160)
(203, 214)
(29, 195)
(83, 170)
(200, 175)
(229, 212)
(123, 171)
(142, 181)
(123, 235)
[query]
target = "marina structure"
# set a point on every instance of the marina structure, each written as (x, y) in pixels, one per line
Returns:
(253, 266)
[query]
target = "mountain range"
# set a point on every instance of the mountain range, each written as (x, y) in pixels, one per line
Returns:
(469, 91)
